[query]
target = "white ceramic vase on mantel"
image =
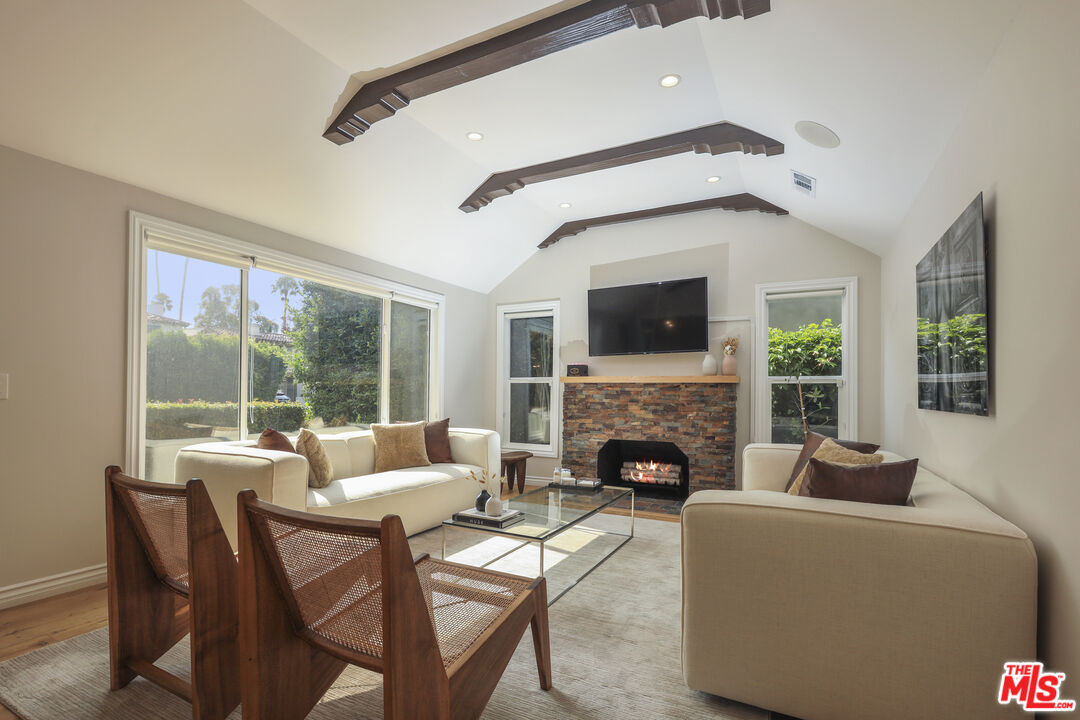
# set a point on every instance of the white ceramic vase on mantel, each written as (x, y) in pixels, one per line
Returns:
(708, 365)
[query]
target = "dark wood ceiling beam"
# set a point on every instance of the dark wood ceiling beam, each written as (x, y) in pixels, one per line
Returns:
(379, 99)
(738, 203)
(715, 139)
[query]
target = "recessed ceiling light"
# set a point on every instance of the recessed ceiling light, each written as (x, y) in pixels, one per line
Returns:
(714, 178)
(564, 205)
(817, 134)
(670, 81)
(475, 136)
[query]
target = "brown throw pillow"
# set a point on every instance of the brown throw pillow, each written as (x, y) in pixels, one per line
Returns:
(883, 483)
(273, 440)
(831, 451)
(813, 442)
(399, 446)
(320, 471)
(437, 441)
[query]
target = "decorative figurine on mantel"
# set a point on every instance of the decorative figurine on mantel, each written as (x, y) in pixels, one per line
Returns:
(729, 366)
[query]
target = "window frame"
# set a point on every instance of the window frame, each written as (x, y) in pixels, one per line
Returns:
(503, 315)
(146, 232)
(847, 382)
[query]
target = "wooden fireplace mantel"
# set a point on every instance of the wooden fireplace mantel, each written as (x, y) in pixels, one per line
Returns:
(649, 379)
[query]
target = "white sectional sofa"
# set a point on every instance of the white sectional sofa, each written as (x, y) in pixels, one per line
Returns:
(834, 610)
(422, 496)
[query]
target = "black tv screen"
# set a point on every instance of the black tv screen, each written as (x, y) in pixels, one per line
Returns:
(953, 327)
(660, 317)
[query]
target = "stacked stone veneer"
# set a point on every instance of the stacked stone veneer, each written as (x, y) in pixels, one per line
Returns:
(698, 417)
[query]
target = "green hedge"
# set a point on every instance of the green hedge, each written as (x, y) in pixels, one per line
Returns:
(204, 367)
(167, 421)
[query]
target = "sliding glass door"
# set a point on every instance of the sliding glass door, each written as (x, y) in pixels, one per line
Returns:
(225, 348)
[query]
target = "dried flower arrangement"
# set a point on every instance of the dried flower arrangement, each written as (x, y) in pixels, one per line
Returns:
(730, 345)
(488, 481)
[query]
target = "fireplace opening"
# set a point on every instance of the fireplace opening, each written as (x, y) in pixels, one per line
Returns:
(653, 469)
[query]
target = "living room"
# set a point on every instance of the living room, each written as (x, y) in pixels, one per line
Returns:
(168, 171)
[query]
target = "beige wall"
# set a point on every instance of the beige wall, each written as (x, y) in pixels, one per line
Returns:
(1017, 145)
(736, 251)
(63, 309)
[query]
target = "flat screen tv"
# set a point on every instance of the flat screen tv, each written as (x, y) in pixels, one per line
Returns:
(659, 317)
(953, 328)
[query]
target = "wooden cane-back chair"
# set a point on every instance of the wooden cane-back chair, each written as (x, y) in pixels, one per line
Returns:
(171, 571)
(318, 593)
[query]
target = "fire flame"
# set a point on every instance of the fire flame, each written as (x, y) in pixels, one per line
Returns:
(644, 472)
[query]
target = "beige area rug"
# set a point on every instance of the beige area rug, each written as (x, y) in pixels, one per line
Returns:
(614, 637)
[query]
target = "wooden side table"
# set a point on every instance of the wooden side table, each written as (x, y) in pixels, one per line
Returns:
(513, 464)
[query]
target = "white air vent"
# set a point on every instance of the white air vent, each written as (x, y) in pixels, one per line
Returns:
(803, 183)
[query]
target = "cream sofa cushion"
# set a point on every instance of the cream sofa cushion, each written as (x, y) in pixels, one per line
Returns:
(365, 487)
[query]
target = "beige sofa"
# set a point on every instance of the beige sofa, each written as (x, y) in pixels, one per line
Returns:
(422, 496)
(828, 610)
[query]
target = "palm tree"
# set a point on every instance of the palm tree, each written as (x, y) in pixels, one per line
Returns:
(164, 300)
(183, 289)
(285, 286)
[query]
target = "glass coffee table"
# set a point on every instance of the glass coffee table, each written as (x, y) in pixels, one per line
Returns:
(564, 525)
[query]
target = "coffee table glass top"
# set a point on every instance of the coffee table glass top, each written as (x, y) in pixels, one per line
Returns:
(550, 510)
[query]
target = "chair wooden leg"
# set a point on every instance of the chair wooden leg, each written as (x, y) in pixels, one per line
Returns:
(472, 683)
(145, 617)
(283, 676)
(541, 636)
(215, 652)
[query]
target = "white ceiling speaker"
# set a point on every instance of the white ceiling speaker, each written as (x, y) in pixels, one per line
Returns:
(804, 183)
(817, 134)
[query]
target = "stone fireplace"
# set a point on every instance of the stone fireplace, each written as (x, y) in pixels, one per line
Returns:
(663, 436)
(658, 469)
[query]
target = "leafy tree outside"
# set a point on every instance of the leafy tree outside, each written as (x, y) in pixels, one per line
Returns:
(809, 350)
(336, 338)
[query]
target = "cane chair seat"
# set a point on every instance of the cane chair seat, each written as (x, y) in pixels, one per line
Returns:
(319, 593)
(336, 580)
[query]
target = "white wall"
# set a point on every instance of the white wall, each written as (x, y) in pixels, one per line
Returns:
(736, 251)
(1017, 144)
(63, 309)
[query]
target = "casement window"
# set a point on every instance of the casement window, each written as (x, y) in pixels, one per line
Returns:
(227, 338)
(527, 399)
(805, 367)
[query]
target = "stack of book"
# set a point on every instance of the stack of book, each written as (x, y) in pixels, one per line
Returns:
(473, 516)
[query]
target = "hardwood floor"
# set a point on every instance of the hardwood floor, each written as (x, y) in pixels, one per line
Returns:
(37, 624)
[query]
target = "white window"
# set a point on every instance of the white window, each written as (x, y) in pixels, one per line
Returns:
(805, 367)
(527, 400)
(227, 338)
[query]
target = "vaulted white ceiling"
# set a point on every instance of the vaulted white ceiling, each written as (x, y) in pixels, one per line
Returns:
(223, 103)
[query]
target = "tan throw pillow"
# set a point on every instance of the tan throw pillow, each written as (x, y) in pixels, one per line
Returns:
(320, 471)
(273, 440)
(830, 451)
(399, 446)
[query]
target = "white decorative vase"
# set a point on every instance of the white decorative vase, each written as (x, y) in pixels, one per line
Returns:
(708, 365)
(494, 506)
(729, 366)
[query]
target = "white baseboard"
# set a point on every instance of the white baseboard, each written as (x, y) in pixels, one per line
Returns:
(24, 592)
